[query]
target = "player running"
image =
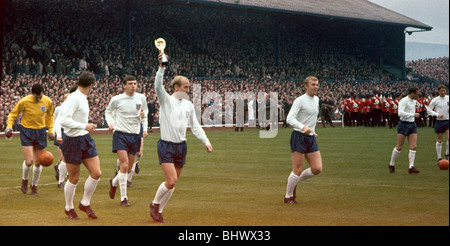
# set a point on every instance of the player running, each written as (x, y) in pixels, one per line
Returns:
(37, 118)
(79, 147)
(175, 115)
(303, 117)
(125, 114)
(60, 169)
(439, 108)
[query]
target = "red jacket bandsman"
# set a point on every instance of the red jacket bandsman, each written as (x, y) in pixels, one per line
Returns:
(376, 102)
(346, 105)
(366, 106)
(387, 104)
(355, 103)
(419, 105)
(394, 106)
(425, 103)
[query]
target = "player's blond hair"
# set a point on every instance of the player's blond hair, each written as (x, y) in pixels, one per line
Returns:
(310, 78)
(177, 81)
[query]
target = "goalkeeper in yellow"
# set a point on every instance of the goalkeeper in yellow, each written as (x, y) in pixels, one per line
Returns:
(37, 118)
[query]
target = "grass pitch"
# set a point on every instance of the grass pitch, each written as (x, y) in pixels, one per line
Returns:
(243, 181)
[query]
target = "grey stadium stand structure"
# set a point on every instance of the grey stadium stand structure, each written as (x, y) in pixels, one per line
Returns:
(383, 29)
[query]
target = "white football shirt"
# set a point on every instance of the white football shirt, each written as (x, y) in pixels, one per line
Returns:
(304, 112)
(440, 104)
(74, 114)
(176, 115)
(407, 109)
(123, 112)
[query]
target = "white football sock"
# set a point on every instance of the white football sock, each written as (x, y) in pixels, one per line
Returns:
(62, 171)
(394, 156)
(115, 180)
(412, 157)
(292, 182)
(69, 192)
(165, 199)
(36, 174)
(306, 174)
(439, 150)
(446, 148)
(89, 188)
(25, 171)
(122, 177)
(130, 175)
(134, 166)
(162, 190)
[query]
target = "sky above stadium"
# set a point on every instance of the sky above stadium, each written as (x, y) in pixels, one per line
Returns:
(434, 13)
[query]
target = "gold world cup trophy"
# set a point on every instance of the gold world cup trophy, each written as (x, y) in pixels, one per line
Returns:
(160, 43)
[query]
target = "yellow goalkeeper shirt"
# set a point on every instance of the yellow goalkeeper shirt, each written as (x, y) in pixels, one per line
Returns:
(36, 115)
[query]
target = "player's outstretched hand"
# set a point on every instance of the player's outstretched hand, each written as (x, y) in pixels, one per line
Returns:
(209, 148)
(160, 58)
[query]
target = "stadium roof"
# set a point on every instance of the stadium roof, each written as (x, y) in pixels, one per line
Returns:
(359, 10)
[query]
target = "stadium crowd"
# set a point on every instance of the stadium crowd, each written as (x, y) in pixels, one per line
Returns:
(430, 69)
(50, 43)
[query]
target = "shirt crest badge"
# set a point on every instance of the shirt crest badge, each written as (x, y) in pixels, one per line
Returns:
(43, 108)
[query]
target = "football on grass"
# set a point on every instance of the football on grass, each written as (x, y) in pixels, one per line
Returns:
(45, 158)
(443, 164)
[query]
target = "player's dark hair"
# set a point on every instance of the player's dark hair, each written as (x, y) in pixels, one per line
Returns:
(37, 89)
(73, 88)
(413, 90)
(86, 79)
(442, 86)
(128, 78)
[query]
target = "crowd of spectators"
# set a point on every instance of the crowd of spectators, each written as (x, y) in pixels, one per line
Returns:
(52, 41)
(14, 88)
(430, 69)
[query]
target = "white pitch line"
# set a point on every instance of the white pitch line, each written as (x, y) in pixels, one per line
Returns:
(18, 187)
(332, 184)
(265, 180)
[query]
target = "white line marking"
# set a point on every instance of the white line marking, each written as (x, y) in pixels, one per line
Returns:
(265, 180)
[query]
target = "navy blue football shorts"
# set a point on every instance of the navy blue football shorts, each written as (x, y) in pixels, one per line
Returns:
(406, 128)
(33, 137)
(76, 149)
(126, 141)
(169, 152)
(303, 143)
(441, 126)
